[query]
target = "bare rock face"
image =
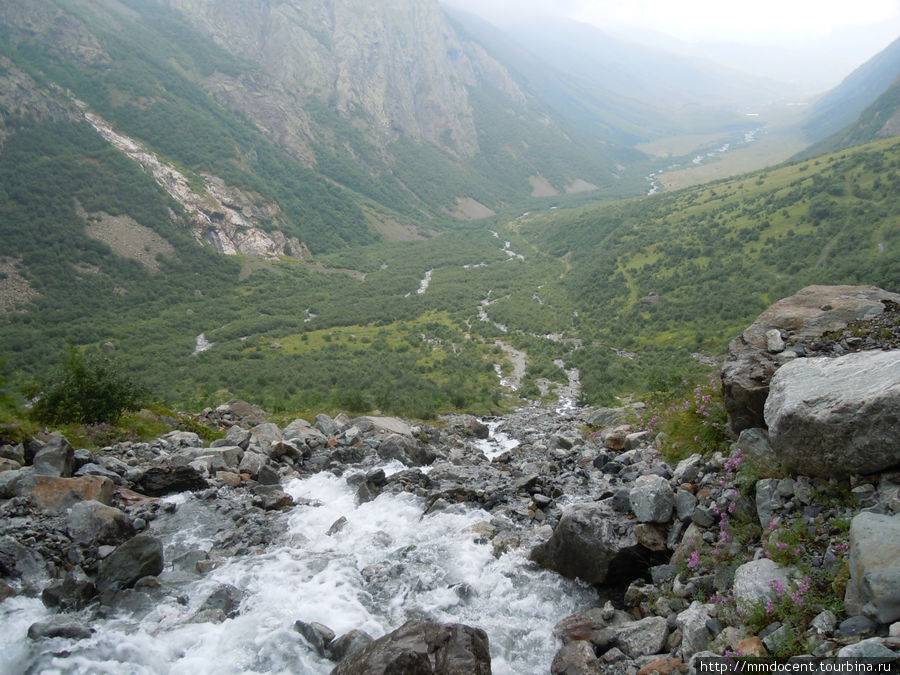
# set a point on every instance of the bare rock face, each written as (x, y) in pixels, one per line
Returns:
(836, 417)
(805, 316)
(422, 647)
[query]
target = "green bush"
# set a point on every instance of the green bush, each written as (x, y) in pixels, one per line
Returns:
(86, 389)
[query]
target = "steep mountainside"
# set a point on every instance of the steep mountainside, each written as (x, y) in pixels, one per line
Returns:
(843, 104)
(351, 120)
(879, 120)
(616, 87)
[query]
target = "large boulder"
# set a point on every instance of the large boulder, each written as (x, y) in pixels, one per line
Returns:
(140, 556)
(406, 449)
(420, 647)
(807, 315)
(837, 416)
(651, 499)
(56, 458)
(159, 481)
(91, 522)
(587, 545)
(874, 587)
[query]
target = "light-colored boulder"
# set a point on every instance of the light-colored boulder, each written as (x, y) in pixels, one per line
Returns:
(875, 566)
(758, 581)
(834, 417)
(808, 314)
(651, 499)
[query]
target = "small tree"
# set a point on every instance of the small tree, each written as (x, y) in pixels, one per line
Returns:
(87, 389)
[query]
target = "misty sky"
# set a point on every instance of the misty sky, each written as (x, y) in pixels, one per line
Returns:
(846, 32)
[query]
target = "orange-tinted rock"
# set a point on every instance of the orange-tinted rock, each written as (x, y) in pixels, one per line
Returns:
(753, 647)
(50, 493)
(662, 666)
(129, 498)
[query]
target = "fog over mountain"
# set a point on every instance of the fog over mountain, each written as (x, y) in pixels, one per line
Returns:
(810, 48)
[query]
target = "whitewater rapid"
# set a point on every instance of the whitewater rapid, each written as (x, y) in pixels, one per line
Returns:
(389, 563)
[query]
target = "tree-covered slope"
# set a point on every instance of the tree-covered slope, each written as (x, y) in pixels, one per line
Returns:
(690, 268)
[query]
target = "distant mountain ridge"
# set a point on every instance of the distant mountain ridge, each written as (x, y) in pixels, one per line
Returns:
(843, 104)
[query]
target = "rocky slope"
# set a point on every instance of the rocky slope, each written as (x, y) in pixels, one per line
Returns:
(721, 555)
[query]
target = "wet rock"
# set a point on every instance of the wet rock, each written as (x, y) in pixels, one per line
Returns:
(225, 600)
(875, 566)
(586, 543)
(56, 458)
(406, 449)
(316, 635)
(422, 647)
(59, 626)
(19, 562)
(73, 592)
(348, 643)
(836, 417)
(580, 626)
(91, 522)
(138, 557)
(576, 658)
(161, 481)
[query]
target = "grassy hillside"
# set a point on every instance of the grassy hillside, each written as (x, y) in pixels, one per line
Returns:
(692, 268)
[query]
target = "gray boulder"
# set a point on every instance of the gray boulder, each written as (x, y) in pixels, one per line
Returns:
(834, 417)
(140, 556)
(91, 522)
(757, 582)
(406, 449)
(422, 647)
(642, 638)
(56, 458)
(348, 643)
(159, 481)
(263, 436)
(576, 658)
(808, 314)
(585, 544)
(695, 635)
(875, 567)
(652, 499)
(60, 626)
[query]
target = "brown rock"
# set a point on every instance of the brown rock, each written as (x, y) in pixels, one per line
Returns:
(753, 647)
(50, 493)
(662, 667)
(230, 478)
(130, 498)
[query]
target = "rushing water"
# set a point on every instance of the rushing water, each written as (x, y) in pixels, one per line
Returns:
(388, 564)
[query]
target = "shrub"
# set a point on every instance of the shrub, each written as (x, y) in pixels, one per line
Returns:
(693, 420)
(86, 389)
